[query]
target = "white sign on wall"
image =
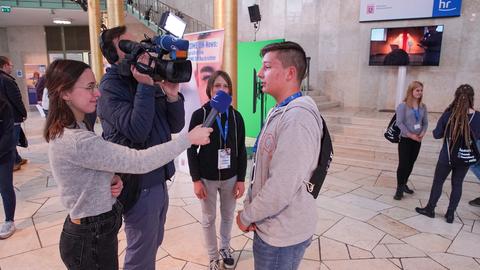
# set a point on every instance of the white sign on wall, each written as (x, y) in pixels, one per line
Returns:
(382, 10)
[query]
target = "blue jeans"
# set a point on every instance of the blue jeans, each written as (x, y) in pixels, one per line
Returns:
(144, 227)
(16, 134)
(6, 187)
(267, 257)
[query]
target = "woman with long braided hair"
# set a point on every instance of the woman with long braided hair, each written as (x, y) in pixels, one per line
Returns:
(457, 124)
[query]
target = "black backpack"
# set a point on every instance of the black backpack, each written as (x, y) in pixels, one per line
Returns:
(462, 153)
(324, 160)
(392, 134)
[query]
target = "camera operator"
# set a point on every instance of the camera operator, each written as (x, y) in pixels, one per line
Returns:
(136, 111)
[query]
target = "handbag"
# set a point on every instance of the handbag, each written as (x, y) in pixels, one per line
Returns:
(392, 134)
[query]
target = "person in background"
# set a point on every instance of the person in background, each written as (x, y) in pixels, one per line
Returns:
(9, 89)
(412, 119)
(7, 159)
(457, 123)
(83, 165)
(219, 167)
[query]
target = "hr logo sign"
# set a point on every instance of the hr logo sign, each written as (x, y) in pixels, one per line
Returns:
(444, 5)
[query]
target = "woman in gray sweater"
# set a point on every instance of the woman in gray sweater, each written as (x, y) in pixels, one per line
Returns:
(412, 120)
(83, 165)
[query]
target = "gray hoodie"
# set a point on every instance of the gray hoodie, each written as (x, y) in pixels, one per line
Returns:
(288, 149)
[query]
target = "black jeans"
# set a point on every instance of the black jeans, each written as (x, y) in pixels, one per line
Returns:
(92, 244)
(408, 150)
(6, 186)
(441, 172)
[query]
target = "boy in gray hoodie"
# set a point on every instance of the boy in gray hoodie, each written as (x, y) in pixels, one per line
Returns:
(278, 207)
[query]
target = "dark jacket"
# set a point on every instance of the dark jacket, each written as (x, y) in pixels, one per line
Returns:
(9, 89)
(204, 163)
(39, 87)
(439, 131)
(7, 141)
(137, 114)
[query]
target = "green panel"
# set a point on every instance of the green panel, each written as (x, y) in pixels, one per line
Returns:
(248, 59)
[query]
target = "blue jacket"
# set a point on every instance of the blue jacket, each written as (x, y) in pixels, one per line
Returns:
(139, 116)
(7, 141)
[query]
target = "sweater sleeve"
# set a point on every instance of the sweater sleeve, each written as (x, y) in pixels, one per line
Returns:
(192, 152)
(93, 152)
(242, 150)
(296, 138)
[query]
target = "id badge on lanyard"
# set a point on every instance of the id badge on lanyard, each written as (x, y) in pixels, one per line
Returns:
(224, 154)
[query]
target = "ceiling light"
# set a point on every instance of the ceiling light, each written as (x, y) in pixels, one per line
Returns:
(62, 21)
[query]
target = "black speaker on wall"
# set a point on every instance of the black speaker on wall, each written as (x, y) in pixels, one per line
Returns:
(254, 12)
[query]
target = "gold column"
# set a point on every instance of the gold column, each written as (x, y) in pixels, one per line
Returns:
(115, 13)
(225, 16)
(94, 21)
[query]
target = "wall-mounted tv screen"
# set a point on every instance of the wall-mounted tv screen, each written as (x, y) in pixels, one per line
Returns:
(406, 46)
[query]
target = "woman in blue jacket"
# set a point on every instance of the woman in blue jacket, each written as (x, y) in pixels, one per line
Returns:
(457, 123)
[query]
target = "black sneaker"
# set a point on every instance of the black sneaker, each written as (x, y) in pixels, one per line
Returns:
(213, 265)
(227, 258)
(407, 190)
(475, 202)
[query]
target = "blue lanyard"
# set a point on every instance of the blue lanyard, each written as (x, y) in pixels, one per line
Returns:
(279, 105)
(223, 132)
(417, 114)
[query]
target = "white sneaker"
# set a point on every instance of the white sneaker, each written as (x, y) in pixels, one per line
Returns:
(7, 229)
(214, 265)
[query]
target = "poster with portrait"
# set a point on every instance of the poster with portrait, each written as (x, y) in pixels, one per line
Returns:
(206, 54)
(33, 72)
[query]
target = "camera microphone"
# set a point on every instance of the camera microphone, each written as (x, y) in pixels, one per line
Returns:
(219, 103)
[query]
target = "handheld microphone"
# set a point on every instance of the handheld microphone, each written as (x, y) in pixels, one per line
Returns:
(219, 103)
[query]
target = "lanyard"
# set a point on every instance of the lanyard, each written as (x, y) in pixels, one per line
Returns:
(281, 104)
(223, 132)
(416, 112)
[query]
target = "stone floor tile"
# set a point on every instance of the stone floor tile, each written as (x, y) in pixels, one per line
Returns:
(245, 261)
(364, 202)
(192, 234)
(51, 206)
(349, 176)
(177, 216)
(238, 243)
(455, 262)
(432, 225)
(476, 227)
(355, 233)
(50, 236)
(194, 266)
(336, 167)
(407, 202)
(364, 171)
(392, 226)
(358, 253)
(313, 251)
(388, 239)
(169, 263)
(380, 190)
(397, 262)
(466, 244)
(195, 210)
(332, 182)
(421, 264)
(370, 264)
(429, 243)
(326, 219)
(365, 193)
(367, 181)
(404, 251)
(38, 259)
(176, 202)
(381, 251)
(332, 250)
(309, 265)
(399, 213)
(161, 253)
(47, 221)
(331, 193)
(386, 181)
(344, 209)
(23, 210)
(24, 239)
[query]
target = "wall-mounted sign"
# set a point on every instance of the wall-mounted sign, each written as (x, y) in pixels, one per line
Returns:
(383, 10)
(6, 9)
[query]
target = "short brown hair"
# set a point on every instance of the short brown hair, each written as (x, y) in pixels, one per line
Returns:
(4, 61)
(61, 76)
(106, 42)
(290, 54)
(211, 82)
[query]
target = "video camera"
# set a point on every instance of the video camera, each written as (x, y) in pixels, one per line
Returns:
(171, 53)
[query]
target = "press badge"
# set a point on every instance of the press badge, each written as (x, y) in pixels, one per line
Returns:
(224, 158)
(417, 126)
